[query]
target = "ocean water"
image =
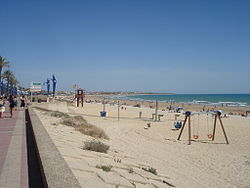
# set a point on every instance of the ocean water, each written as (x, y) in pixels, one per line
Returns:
(206, 99)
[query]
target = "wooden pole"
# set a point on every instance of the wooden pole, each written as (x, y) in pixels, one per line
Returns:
(224, 132)
(182, 127)
(156, 109)
(118, 110)
(214, 126)
(189, 130)
(103, 102)
(140, 114)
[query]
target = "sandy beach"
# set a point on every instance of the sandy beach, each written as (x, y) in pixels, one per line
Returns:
(133, 94)
(236, 110)
(133, 148)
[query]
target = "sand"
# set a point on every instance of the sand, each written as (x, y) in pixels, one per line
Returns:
(204, 163)
(162, 105)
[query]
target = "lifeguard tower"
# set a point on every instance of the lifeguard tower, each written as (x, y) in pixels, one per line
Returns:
(80, 94)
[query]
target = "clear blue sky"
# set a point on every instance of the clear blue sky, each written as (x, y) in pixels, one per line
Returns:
(182, 46)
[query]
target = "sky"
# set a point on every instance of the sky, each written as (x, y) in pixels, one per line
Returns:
(179, 46)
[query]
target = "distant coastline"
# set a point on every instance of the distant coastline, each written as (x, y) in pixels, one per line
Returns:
(128, 93)
(239, 100)
(135, 100)
(219, 100)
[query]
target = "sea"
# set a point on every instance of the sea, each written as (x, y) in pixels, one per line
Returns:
(239, 100)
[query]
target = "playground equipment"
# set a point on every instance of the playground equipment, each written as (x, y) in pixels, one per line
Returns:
(196, 124)
(188, 114)
(79, 97)
(209, 134)
(196, 127)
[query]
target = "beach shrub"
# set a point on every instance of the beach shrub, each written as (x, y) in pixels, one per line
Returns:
(104, 167)
(81, 125)
(77, 122)
(42, 109)
(131, 170)
(150, 169)
(58, 114)
(96, 146)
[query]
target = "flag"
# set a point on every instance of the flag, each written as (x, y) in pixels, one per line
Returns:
(48, 86)
(54, 85)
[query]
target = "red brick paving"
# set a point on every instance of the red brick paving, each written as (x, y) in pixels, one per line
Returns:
(24, 163)
(7, 126)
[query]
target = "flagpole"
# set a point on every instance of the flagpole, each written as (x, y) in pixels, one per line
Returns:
(31, 91)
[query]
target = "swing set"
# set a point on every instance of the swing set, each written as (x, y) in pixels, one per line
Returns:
(196, 126)
(196, 121)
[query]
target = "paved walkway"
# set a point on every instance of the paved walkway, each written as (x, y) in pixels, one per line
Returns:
(13, 151)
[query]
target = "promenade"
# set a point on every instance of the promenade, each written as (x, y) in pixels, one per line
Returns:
(24, 147)
(13, 150)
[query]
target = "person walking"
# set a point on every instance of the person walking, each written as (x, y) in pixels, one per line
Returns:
(2, 107)
(11, 105)
(22, 102)
(15, 103)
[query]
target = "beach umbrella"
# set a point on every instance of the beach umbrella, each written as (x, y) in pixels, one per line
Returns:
(54, 85)
(48, 86)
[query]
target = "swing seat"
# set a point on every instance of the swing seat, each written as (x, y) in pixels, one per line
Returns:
(210, 136)
(196, 136)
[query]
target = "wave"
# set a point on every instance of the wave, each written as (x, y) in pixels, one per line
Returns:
(190, 99)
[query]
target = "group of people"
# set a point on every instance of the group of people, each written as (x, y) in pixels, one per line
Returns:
(13, 103)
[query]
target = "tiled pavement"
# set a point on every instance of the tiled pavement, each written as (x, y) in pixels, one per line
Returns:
(13, 151)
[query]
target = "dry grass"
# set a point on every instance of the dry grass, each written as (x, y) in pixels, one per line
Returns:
(96, 146)
(81, 125)
(78, 122)
(59, 114)
(56, 114)
(105, 168)
(42, 109)
(151, 170)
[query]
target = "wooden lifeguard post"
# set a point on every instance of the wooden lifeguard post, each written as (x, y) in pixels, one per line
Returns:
(80, 94)
(188, 120)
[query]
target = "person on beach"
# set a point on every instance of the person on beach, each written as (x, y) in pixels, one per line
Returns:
(2, 108)
(15, 103)
(22, 102)
(11, 105)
